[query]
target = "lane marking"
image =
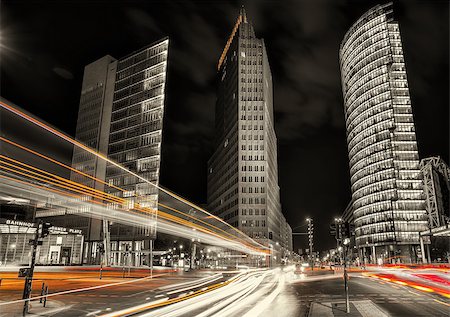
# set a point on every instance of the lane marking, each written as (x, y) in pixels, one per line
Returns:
(417, 294)
(82, 289)
(441, 302)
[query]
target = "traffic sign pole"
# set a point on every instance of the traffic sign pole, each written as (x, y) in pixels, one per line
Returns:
(29, 276)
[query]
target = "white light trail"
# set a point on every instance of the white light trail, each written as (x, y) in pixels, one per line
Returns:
(70, 140)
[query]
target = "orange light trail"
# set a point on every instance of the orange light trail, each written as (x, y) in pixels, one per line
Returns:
(161, 214)
(415, 285)
(57, 162)
(80, 188)
(101, 193)
(86, 148)
(85, 190)
(69, 184)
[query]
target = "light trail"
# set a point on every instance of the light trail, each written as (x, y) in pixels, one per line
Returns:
(214, 278)
(58, 163)
(412, 282)
(78, 290)
(165, 301)
(60, 182)
(263, 305)
(76, 143)
(123, 216)
(239, 300)
(90, 192)
(229, 300)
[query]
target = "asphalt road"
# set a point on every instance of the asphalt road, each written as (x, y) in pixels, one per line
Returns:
(113, 292)
(287, 295)
(249, 294)
(394, 300)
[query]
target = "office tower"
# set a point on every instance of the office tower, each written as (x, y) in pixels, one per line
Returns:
(135, 143)
(121, 113)
(387, 191)
(94, 118)
(242, 172)
(93, 123)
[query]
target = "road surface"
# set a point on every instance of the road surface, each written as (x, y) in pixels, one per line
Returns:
(256, 292)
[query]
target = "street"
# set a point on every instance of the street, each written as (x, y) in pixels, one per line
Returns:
(78, 292)
(250, 292)
(391, 299)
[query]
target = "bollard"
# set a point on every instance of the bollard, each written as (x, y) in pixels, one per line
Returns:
(46, 293)
(42, 292)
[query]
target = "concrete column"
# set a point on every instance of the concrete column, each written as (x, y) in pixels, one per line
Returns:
(374, 255)
(422, 250)
(428, 253)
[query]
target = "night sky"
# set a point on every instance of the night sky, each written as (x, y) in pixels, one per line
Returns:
(45, 45)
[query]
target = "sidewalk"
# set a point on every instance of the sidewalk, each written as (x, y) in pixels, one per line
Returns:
(53, 307)
(360, 308)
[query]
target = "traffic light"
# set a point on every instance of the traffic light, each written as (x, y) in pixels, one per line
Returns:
(350, 229)
(333, 231)
(342, 230)
(45, 229)
(101, 248)
(270, 235)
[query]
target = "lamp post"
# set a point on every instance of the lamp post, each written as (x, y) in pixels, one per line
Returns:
(271, 255)
(311, 241)
(347, 303)
(193, 246)
(338, 224)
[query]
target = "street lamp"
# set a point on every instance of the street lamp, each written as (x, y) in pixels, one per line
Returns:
(311, 242)
(271, 254)
(346, 243)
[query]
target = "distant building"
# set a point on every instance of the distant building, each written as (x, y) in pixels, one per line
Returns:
(347, 215)
(286, 235)
(242, 172)
(436, 178)
(121, 113)
(388, 197)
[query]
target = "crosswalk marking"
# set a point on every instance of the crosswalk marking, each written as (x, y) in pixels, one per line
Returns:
(368, 309)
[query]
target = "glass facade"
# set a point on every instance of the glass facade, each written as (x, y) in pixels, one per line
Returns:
(386, 185)
(136, 131)
(93, 126)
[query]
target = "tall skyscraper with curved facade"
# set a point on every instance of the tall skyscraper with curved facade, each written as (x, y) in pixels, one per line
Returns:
(388, 200)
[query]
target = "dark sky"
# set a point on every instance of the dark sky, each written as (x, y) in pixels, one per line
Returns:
(45, 45)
